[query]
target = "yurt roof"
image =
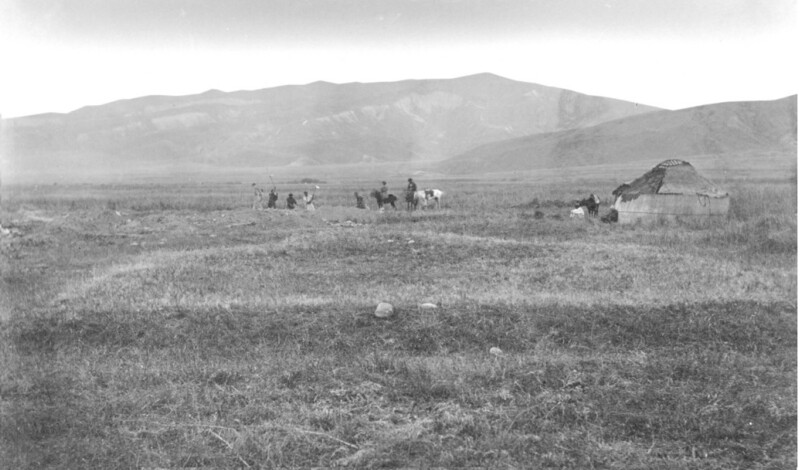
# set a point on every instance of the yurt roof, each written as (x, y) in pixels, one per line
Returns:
(669, 177)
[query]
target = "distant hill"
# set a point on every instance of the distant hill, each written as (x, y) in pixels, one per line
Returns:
(738, 127)
(318, 123)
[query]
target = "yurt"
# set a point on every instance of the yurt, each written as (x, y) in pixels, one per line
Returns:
(672, 189)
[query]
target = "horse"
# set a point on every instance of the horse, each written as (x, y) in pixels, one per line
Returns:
(591, 203)
(426, 196)
(432, 195)
(390, 199)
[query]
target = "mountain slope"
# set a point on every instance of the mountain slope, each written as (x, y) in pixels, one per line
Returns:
(413, 120)
(757, 126)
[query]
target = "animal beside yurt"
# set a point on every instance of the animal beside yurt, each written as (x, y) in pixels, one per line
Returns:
(577, 213)
(591, 203)
(670, 190)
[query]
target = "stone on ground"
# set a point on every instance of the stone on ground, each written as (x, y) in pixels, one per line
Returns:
(384, 310)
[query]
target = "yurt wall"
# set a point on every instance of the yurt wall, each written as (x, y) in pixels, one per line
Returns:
(652, 207)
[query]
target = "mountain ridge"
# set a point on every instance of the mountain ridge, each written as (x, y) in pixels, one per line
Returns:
(318, 123)
(713, 129)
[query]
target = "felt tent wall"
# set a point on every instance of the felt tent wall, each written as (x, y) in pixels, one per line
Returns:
(672, 189)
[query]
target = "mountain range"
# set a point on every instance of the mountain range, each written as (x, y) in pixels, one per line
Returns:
(318, 123)
(477, 123)
(750, 128)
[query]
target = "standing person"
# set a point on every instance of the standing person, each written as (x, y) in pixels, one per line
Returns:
(273, 198)
(359, 201)
(258, 197)
(290, 202)
(384, 194)
(309, 200)
(411, 202)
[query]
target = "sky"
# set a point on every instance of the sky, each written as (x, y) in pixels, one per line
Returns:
(60, 55)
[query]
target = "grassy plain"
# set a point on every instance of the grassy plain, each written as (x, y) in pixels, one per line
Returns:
(154, 325)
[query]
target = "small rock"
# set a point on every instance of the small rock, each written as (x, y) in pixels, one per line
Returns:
(495, 351)
(427, 306)
(384, 310)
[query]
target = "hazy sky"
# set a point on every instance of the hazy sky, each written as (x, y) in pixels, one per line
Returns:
(59, 55)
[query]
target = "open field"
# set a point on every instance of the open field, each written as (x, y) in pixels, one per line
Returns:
(169, 325)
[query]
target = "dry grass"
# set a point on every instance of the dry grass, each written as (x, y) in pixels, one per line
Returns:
(166, 327)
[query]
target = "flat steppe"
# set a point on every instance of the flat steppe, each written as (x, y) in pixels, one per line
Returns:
(171, 325)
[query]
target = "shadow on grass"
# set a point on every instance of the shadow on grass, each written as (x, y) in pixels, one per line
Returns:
(747, 327)
(577, 387)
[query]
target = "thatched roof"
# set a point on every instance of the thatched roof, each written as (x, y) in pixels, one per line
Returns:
(669, 177)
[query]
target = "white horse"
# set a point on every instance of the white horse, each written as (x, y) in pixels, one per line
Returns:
(429, 195)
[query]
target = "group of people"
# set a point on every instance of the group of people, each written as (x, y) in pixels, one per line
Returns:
(272, 199)
(382, 197)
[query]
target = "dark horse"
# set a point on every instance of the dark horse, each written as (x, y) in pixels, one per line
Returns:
(591, 203)
(390, 199)
(411, 200)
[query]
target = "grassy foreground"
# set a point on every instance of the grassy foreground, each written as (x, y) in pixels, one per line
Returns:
(163, 327)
